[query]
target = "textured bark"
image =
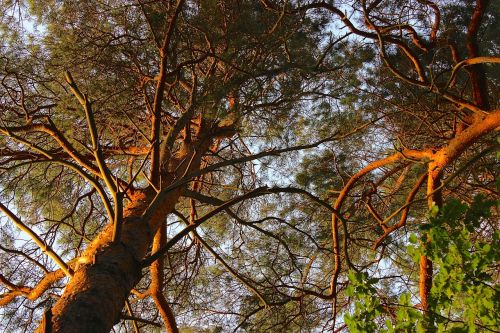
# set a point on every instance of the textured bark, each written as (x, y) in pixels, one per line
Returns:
(425, 281)
(426, 267)
(437, 161)
(95, 295)
(440, 159)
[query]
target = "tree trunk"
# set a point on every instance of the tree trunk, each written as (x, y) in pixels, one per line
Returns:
(95, 295)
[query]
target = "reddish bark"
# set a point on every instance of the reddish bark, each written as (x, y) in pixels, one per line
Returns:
(157, 282)
(30, 293)
(95, 295)
(425, 281)
(476, 72)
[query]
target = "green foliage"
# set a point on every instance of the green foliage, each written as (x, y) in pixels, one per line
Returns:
(464, 284)
(465, 293)
(368, 308)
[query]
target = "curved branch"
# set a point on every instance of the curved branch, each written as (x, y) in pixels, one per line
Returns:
(60, 139)
(405, 153)
(72, 166)
(470, 62)
(157, 282)
(158, 97)
(437, 19)
(96, 148)
(477, 74)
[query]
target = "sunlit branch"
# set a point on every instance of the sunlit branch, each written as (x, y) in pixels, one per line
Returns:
(377, 36)
(479, 83)
(443, 183)
(84, 101)
(30, 293)
(469, 62)
(59, 138)
(158, 97)
(101, 163)
(437, 19)
(184, 119)
(41, 244)
(131, 314)
(414, 154)
(157, 284)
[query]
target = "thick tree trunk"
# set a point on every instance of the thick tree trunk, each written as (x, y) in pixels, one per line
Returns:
(443, 157)
(95, 295)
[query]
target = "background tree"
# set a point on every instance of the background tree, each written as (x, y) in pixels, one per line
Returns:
(177, 164)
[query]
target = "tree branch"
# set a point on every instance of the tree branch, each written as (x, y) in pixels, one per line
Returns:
(41, 244)
(30, 293)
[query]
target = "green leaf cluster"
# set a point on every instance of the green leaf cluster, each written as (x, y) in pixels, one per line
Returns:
(465, 293)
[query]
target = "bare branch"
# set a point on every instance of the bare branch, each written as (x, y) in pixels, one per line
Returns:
(30, 293)
(41, 244)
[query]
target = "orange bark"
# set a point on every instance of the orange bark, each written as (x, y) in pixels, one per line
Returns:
(95, 295)
(425, 281)
(443, 157)
(157, 281)
(30, 293)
